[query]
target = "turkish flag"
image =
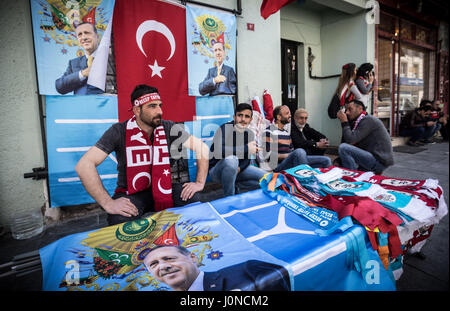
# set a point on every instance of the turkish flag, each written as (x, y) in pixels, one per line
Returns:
(268, 7)
(150, 48)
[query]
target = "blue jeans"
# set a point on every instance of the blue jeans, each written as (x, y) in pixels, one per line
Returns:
(226, 173)
(417, 133)
(352, 157)
(299, 156)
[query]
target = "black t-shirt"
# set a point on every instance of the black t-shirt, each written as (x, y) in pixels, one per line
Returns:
(113, 140)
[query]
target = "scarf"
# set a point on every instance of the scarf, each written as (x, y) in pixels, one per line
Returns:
(361, 116)
(148, 164)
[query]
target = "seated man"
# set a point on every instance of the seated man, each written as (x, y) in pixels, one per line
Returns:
(305, 137)
(144, 150)
(232, 148)
(415, 124)
(277, 136)
(366, 144)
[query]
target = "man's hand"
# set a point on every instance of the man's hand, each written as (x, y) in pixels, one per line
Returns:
(342, 116)
(219, 79)
(121, 206)
(85, 72)
(430, 123)
(190, 188)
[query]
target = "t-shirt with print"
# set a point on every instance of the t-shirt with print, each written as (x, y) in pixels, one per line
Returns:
(113, 140)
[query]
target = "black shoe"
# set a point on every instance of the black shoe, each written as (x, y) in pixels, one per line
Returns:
(412, 143)
(425, 141)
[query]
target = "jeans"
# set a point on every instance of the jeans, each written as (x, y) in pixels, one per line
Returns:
(299, 156)
(226, 173)
(418, 132)
(352, 157)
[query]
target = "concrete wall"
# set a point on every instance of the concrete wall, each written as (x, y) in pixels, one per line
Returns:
(20, 135)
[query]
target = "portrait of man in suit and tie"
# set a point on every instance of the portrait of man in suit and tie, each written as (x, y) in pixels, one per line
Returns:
(76, 75)
(177, 267)
(221, 79)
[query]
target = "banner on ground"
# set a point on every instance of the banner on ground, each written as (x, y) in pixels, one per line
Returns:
(111, 258)
(74, 124)
(59, 54)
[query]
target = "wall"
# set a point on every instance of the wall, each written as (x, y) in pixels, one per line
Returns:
(20, 135)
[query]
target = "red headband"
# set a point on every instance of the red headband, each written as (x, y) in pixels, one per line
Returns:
(146, 99)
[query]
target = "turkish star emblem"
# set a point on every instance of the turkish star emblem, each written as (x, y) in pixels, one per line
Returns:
(166, 172)
(156, 70)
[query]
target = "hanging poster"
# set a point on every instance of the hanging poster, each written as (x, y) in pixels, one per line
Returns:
(72, 43)
(74, 124)
(211, 51)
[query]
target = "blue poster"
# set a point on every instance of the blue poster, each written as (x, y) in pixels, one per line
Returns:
(74, 124)
(62, 52)
(211, 113)
(211, 51)
(124, 257)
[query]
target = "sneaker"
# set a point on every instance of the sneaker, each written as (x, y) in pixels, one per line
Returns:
(425, 141)
(412, 143)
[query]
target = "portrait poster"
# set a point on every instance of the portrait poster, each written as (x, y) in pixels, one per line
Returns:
(60, 57)
(204, 28)
(74, 124)
(112, 258)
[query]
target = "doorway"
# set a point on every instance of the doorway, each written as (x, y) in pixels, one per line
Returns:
(289, 74)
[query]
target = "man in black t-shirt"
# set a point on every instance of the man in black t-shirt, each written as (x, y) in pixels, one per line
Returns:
(144, 153)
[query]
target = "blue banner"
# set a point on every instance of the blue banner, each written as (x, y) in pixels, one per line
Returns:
(73, 125)
(112, 258)
(205, 28)
(223, 236)
(58, 51)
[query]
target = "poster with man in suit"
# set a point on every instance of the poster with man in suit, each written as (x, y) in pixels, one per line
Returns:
(72, 42)
(211, 39)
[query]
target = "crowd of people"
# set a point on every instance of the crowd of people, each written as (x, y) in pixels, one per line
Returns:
(147, 145)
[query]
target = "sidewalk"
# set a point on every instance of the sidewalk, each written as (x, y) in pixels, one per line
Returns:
(428, 274)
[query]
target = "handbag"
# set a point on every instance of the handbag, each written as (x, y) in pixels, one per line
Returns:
(334, 106)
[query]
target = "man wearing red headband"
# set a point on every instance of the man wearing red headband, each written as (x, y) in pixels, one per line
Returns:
(145, 147)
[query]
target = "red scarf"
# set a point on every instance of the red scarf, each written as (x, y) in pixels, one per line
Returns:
(148, 164)
(361, 116)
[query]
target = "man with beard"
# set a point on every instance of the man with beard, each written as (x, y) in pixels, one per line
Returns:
(232, 148)
(276, 136)
(145, 147)
(366, 142)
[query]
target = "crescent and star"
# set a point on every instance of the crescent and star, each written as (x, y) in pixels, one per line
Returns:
(152, 25)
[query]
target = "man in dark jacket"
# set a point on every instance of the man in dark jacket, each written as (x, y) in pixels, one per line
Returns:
(305, 137)
(366, 142)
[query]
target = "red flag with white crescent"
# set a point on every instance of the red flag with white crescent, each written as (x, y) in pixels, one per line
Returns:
(150, 48)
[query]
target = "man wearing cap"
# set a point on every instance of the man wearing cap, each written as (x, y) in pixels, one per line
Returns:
(145, 147)
(221, 79)
(77, 72)
(366, 144)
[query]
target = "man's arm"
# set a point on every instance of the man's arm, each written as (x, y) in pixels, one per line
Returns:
(86, 169)
(207, 85)
(202, 152)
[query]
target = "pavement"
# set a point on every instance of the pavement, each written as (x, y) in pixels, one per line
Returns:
(426, 272)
